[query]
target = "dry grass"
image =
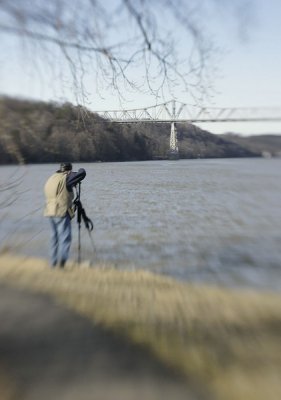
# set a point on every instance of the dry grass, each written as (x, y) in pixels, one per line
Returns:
(228, 341)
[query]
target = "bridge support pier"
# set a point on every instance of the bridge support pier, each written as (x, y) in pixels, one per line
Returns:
(174, 149)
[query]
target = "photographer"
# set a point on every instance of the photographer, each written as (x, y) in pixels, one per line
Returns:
(59, 209)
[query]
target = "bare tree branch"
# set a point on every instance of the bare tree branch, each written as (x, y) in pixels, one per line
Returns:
(111, 40)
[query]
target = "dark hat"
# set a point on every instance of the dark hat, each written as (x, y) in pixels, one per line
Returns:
(65, 166)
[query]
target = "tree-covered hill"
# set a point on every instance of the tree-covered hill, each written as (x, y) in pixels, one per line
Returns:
(262, 144)
(38, 132)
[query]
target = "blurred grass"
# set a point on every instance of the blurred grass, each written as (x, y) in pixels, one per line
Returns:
(228, 341)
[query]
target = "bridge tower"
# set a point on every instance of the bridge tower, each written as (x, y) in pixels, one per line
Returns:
(174, 149)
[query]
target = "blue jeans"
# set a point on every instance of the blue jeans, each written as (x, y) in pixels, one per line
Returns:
(60, 239)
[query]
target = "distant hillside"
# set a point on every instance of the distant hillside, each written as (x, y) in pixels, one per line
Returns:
(262, 144)
(197, 143)
(38, 132)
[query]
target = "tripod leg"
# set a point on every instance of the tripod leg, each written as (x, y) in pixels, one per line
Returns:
(93, 245)
(79, 244)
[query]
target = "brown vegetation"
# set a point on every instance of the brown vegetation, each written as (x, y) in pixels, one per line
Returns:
(227, 341)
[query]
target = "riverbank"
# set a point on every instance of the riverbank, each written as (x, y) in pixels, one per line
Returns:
(226, 342)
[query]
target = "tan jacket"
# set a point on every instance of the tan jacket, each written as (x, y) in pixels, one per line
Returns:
(58, 198)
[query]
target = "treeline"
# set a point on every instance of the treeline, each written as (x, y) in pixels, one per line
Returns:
(38, 132)
(262, 144)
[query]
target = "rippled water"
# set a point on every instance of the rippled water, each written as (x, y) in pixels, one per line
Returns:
(215, 221)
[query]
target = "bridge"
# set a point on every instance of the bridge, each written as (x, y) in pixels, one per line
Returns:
(175, 112)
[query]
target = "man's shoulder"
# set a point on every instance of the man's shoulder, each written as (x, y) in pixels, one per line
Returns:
(57, 176)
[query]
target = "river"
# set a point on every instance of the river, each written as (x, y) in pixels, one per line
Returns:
(213, 221)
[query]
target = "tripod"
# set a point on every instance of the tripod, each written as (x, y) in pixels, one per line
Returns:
(81, 215)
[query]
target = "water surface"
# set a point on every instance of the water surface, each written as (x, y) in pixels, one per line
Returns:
(216, 221)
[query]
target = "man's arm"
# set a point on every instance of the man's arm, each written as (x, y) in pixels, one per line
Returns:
(75, 177)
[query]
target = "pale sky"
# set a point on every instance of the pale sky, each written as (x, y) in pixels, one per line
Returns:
(249, 71)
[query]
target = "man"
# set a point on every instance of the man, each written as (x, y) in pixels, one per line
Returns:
(59, 209)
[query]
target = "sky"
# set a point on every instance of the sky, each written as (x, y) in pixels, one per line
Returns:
(248, 71)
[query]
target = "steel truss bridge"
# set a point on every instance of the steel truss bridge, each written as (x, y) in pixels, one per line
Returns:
(175, 112)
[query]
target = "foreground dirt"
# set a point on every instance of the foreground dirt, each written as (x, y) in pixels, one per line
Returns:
(49, 352)
(227, 341)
